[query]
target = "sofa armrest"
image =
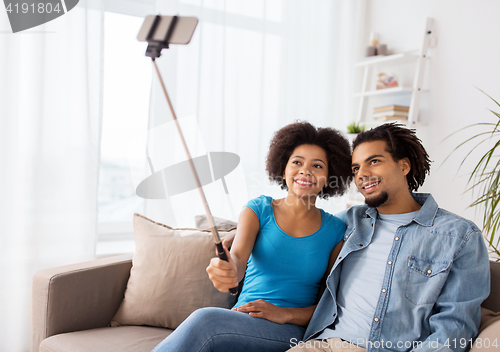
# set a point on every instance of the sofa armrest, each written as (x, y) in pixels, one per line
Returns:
(493, 301)
(488, 339)
(78, 297)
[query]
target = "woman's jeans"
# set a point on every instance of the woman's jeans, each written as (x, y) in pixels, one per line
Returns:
(221, 330)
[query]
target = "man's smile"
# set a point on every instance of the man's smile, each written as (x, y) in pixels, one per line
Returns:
(370, 186)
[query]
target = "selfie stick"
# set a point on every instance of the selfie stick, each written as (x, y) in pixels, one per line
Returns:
(154, 51)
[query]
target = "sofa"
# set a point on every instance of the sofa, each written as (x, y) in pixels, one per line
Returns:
(128, 302)
(74, 304)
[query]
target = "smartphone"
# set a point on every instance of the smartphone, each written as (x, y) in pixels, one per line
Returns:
(181, 34)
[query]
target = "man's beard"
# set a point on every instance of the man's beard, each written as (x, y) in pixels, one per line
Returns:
(377, 201)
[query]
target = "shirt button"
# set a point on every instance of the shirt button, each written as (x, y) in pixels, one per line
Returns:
(397, 238)
(361, 245)
(372, 224)
(429, 271)
(384, 290)
(390, 262)
(376, 319)
(339, 258)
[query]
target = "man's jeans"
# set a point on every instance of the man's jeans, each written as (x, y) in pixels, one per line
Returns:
(220, 330)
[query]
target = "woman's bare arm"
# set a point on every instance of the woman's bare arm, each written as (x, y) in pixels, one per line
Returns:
(331, 261)
(265, 310)
(226, 275)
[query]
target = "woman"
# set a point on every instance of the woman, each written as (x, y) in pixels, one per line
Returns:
(283, 247)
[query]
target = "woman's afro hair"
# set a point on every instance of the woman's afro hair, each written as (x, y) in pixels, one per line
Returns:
(336, 146)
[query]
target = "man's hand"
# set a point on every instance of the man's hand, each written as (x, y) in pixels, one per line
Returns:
(265, 310)
(223, 274)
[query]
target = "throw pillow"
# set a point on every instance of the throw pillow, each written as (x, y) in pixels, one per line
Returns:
(201, 222)
(168, 280)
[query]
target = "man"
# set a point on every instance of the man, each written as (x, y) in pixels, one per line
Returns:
(410, 276)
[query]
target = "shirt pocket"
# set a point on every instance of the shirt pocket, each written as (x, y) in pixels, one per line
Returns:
(425, 280)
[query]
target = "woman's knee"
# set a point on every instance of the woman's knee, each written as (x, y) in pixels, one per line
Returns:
(209, 313)
(195, 333)
(207, 317)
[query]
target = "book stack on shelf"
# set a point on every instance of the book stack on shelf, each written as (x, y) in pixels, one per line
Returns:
(390, 113)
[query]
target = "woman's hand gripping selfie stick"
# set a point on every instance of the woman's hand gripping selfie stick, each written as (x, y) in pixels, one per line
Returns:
(159, 32)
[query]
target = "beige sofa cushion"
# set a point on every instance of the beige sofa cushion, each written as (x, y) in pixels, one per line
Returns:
(123, 339)
(489, 332)
(168, 280)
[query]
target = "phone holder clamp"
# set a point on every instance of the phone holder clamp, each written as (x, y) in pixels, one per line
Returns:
(154, 46)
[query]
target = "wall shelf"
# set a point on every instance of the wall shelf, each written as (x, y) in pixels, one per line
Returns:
(380, 60)
(370, 64)
(387, 91)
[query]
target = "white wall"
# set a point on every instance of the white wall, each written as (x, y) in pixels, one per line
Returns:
(467, 56)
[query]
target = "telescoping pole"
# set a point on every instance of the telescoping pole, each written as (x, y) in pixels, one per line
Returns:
(218, 245)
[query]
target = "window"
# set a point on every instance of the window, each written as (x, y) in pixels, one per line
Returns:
(126, 91)
(127, 81)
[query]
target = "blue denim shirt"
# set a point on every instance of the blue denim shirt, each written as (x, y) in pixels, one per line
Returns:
(436, 277)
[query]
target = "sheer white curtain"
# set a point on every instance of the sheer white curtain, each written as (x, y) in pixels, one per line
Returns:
(50, 98)
(251, 68)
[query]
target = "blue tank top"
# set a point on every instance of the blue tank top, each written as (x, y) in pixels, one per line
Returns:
(284, 270)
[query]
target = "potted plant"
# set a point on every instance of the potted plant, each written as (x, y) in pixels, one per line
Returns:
(353, 129)
(484, 180)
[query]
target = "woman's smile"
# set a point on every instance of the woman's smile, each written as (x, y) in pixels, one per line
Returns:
(304, 183)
